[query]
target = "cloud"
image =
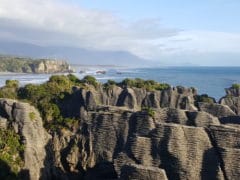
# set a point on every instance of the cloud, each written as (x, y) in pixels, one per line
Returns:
(52, 22)
(58, 22)
(199, 42)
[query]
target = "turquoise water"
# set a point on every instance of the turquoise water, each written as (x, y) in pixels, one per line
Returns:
(209, 80)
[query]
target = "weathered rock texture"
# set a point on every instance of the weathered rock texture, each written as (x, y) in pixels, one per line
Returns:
(115, 139)
(131, 98)
(27, 122)
(142, 173)
(232, 99)
(50, 66)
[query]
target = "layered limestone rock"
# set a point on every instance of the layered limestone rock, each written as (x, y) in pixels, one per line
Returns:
(232, 102)
(130, 133)
(139, 172)
(131, 98)
(232, 99)
(27, 122)
(202, 119)
(50, 66)
(113, 137)
(227, 141)
(217, 110)
(186, 152)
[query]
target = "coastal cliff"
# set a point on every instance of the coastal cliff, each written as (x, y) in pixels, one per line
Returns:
(27, 65)
(120, 131)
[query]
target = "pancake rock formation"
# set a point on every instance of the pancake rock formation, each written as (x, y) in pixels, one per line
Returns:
(131, 133)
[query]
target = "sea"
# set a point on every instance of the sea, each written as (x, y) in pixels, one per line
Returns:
(207, 80)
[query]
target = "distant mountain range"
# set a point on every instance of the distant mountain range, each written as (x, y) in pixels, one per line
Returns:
(72, 55)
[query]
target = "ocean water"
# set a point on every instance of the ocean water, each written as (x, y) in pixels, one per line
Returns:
(208, 80)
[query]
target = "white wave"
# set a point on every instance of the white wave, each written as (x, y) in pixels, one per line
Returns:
(33, 81)
(108, 77)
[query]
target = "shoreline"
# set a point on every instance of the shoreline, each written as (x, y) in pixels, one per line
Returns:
(12, 73)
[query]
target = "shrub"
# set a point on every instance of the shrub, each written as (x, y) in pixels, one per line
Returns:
(10, 150)
(9, 90)
(47, 98)
(236, 86)
(161, 87)
(73, 79)
(203, 98)
(149, 85)
(12, 83)
(149, 111)
(32, 116)
(90, 80)
(111, 82)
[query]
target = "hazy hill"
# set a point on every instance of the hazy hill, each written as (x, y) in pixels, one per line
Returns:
(74, 55)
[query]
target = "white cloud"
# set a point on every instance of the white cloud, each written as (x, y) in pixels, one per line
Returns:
(57, 22)
(207, 42)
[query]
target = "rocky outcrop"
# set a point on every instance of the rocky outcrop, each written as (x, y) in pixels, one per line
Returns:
(227, 140)
(142, 173)
(122, 140)
(131, 98)
(130, 133)
(50, 66)
(201, 119)
(232, 99)
(217, 110)
(232, 102)
(27, 65)
(117, 136)
(26, 121)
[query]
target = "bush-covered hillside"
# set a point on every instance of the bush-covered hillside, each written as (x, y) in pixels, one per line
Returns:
(28, 65)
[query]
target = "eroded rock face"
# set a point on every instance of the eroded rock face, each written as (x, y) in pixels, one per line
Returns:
(232, 99)
(139, 172)
(187, 153)
(27, 122)
(169, 144)
(227, 141)
(131, 98)
(217, 110)
(202, 119)
(115, 139)
(51, 66)
(232, 102)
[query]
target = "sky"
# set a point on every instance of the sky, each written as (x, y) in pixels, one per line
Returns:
(186, 32)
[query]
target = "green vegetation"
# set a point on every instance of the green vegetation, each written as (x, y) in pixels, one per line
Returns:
(203, 98)
(32, 115)
(236, 86)
(49, 97)
(26, 65)
(17, 64)
(150, 111)
(12, 83)
(90, 80)
(109, 84)
(73, 79)
(150, 85)
(10, 89)
(10, 150)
